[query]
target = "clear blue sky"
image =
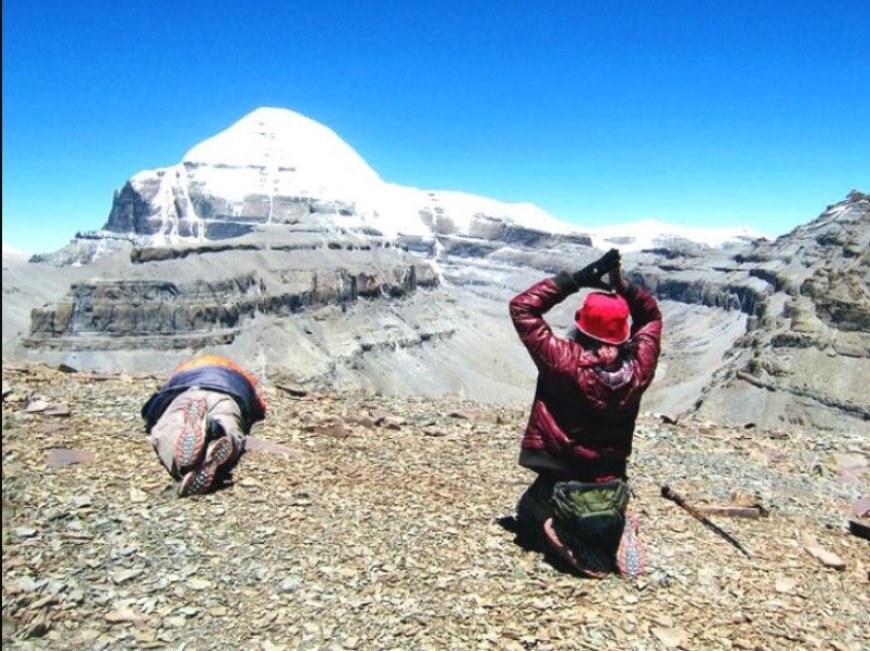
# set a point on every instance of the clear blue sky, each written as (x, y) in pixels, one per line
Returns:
(721, 113)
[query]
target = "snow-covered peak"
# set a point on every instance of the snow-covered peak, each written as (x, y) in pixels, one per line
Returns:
(523, 214)
(400, 209)
(278, 152)
(274, 138)
(651, 233)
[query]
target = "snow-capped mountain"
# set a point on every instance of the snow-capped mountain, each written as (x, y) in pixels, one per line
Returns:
(277, 171)
(275, 166)
(650, 234)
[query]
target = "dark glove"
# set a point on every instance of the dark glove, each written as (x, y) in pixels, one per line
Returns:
(591, 275)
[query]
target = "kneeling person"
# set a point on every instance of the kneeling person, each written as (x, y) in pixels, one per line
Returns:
(198, 420)
(581, 427)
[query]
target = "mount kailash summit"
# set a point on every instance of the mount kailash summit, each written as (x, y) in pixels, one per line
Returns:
(275, 243)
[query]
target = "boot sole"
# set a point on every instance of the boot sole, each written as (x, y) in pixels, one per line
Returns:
(582, 558)
(200, 480)
(191, 442)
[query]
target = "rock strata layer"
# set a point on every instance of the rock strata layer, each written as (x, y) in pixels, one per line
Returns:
(119, 314)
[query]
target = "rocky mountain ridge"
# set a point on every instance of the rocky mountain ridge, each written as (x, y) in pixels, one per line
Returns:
(274, 242)
(808, 345)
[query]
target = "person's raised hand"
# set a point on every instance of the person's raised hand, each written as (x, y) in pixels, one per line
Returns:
(592, 275)
(616, 280)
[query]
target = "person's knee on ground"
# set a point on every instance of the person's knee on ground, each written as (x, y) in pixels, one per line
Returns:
(534, 507)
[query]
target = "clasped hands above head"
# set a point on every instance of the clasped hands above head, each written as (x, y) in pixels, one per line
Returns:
(592, 275)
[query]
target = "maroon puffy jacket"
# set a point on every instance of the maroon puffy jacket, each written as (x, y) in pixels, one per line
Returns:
(582, 420)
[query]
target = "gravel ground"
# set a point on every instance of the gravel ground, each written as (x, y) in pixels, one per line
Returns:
(365, 522)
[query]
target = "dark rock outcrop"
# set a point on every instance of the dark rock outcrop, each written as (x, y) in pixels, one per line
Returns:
(164, 314)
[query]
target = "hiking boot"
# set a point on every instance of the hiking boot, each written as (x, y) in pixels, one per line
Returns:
(199, 480)
(191, 442)
(631, 554)
(585, 559)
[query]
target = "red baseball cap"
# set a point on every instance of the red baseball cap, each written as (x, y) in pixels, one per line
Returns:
(604, 317)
